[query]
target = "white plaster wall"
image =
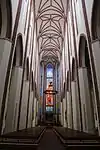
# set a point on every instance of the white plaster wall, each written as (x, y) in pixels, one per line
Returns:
(14, 4)
(30, 39)
(3, 4)
(23, 113)
(23, 16)
(63, 65)
(75, 19)
(29, 51)
(22, 19)
(13, 101)
(70, 34)
(66, 49)
(81, 24)
(89, 6)
(80, 17)
(34, 51)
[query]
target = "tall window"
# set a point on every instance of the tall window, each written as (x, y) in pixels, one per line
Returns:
(49, 74)
(49, 87)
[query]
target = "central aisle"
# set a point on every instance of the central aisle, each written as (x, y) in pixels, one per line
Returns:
(50, 141)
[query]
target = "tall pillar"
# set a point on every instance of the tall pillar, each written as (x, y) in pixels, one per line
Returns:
(41, 96)
(61, 118)
(56, 90)
(87, 114)
(13, 100)
(64, 109)
(54, 96)
(43, 84)
(69, 111)
(96, 55)
(5, 50)
(35, 108)
(75, 105)
(23, 113)
(30, 110)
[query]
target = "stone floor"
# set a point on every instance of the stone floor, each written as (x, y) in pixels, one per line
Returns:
(50, 142)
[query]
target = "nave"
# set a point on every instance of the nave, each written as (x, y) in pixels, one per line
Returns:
(49, 74)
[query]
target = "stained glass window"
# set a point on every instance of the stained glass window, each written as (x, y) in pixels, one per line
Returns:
(49, 86)
(49, 108)
(49, 71)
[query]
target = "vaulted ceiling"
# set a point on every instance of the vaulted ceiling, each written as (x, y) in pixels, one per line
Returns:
(50, 16)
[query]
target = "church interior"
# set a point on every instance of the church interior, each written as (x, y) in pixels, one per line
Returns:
(49, 74)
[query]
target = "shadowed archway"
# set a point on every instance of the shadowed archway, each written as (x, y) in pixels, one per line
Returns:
(5, 18)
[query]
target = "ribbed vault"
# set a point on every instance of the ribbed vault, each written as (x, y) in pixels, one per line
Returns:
(50, 16)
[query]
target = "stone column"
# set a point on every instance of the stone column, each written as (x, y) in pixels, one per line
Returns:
(30, 110)
(87, 114)
(37, 109)
(75, 105)
(34, 119)
(64, 109)
(5, 50)
(69, 111)
(13, 100)
(42, 80)
(56, 94)
(61, 105)
(96, 55)
(23, 113)
(44, 96)
(54, 88)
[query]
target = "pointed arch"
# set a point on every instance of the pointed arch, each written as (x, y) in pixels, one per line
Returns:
(50, 63)
(27, 69)
(63, 91)
(84, 58)
(35, 89)
(95, 20)
(82, 47)
(48, 67)
(68, 80)
(32, 86)
(18, 57)
(73, 69)
(26, 73)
